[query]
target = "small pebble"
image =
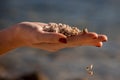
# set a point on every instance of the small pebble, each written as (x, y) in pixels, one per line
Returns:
(63, 28)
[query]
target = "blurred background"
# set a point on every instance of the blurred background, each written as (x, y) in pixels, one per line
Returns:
(101, 16)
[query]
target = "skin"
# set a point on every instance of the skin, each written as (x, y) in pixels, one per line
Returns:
(31, 34)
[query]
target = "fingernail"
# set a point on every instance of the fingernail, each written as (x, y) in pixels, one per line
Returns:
(104, 40)
(94, 37)
(98, 46)
(63, 40)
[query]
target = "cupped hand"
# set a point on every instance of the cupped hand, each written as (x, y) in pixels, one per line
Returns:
(32, 35)
(88, 39)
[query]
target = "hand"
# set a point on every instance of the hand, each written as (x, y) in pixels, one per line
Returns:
(31, 34)
(87, 39)
(45, 41)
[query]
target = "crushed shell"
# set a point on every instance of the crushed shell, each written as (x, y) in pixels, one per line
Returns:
(63, 28)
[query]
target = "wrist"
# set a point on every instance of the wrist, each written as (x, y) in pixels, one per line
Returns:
(8, 39)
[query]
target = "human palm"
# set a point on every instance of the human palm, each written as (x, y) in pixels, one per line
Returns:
(33, 36)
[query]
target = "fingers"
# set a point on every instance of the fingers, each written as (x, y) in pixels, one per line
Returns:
(102, 38)
(87, 39)
(90, 35)
(82, 38)
(99, 44)
(52, 47)
(52, 37)
(99, 41)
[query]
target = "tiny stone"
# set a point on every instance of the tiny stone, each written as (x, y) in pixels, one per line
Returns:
(90, 73)
(91, 66)
(85, 30)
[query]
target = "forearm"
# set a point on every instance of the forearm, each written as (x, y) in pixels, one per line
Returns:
(7, 40)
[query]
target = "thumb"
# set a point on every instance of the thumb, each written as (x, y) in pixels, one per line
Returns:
(52, 37)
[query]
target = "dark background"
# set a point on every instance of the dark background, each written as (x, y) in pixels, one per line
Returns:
(101, 16)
